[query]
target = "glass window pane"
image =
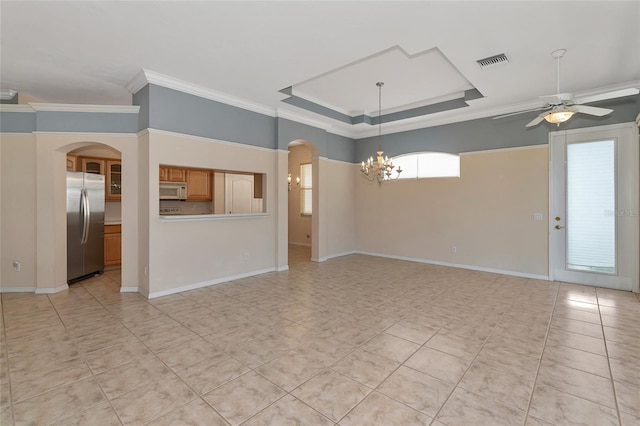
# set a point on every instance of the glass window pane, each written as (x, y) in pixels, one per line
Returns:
(591, 203)
(437, 164)
(409, 165)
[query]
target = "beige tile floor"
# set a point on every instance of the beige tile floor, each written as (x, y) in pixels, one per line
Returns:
(354, 341)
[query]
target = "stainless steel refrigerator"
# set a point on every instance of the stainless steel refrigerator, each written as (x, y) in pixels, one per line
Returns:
(85, 225)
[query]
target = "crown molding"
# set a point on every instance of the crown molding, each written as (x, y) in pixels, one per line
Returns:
(16, 108)
(117, 109)
(146, 76)
(6, 94)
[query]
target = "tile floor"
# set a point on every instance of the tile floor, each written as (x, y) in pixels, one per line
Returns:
(354, 341)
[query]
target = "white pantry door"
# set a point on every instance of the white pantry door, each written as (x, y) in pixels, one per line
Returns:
(593, 206)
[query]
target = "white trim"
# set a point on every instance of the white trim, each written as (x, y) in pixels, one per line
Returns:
(199, 217)
(282, 268)
(16, 108)
(117, 109)
(137, 82)
(128, 289)
(88, 134)
(158, 79)
(17, 289)
(515, 148)
(458, 265)
(202, 139)
(345, 253)
(6, 94)
(318, 259)
(332, 160)
(638, 120)
(52, 290)
(323, 125)
(144, 292)
(208, 283)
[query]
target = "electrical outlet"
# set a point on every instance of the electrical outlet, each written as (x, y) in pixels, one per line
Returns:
(16, 266)
(245, 256)
(454, 249)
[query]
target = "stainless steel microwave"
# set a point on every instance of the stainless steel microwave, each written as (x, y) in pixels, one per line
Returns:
(173, 190)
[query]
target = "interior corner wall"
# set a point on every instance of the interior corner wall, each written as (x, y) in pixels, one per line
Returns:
(299, 225)
(486, 213)
(18, 210)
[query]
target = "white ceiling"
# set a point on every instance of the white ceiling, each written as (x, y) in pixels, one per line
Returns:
(87, 52)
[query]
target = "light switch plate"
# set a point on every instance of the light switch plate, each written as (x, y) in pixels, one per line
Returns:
(537, 216)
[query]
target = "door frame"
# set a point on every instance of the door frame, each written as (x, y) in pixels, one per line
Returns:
(632, 175)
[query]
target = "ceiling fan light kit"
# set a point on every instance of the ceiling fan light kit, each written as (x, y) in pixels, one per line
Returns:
(560, 107)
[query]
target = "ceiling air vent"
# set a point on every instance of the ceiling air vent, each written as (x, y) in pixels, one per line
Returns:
(491, 61)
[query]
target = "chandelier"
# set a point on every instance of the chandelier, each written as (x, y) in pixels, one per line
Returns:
(382, 167)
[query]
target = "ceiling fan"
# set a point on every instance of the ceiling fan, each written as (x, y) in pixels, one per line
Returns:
(560, 107)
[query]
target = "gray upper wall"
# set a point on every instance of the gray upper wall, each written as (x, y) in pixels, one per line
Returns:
(329, 145)
(180, 112)
(59, 121)
(487, 133)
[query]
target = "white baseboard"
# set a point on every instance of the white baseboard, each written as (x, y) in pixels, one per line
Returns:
(194, 286)
(458, 265)
(282, 268)
(318, 259)
(17, 289)
(144, 292)
(345, 253)
(128, 289)
(52, 290)
(299, 244)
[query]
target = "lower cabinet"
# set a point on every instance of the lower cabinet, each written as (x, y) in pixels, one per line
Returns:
(112, 245)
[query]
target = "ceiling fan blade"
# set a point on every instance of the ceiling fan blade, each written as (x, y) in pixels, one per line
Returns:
(592, 110)
(520, 112)
(536, 120)
(609, 95)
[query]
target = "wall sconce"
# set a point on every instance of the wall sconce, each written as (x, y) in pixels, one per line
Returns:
(289, 181)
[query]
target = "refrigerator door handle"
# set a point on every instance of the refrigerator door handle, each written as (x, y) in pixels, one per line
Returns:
(86, 216)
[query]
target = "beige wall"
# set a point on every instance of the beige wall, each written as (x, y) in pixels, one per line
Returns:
(193, 253)
(18, 210)
(299, 225)
(341, 207)
(487, 214)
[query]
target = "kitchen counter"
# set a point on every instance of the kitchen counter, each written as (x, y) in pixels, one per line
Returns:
(196, 217)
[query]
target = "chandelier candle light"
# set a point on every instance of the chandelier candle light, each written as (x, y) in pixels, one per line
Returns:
(382, 168)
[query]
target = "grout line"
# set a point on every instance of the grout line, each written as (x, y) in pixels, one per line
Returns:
(606, 349)
(544, 346)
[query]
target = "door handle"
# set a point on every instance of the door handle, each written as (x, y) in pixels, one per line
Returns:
(559, 227)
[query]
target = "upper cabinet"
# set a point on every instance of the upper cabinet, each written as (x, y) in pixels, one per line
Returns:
(111, 168)
(114, 181)
(72, 161)
(93, 165)
(172, 174)
(199, 185)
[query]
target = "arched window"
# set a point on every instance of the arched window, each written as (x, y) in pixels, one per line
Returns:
(419, 165)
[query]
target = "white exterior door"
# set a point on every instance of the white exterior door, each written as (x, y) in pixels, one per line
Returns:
(593, 206)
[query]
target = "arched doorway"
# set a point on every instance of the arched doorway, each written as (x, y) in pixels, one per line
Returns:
(304, 216)
(105, 244)
(300, 202)
(51, 238)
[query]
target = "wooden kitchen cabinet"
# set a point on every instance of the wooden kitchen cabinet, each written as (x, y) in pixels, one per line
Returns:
(93, 165)
(113, 191)
(72, 161)
(172, 174)
(199, 185)
(112, 245)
